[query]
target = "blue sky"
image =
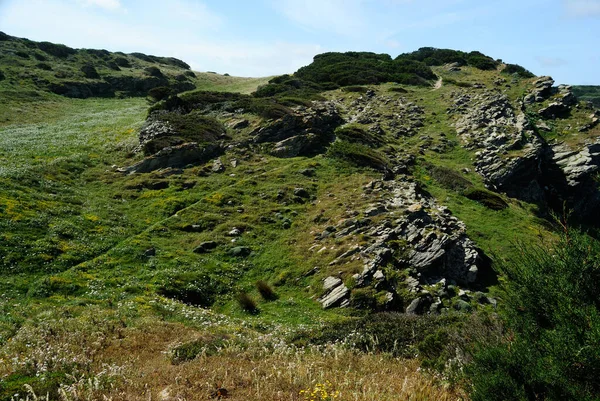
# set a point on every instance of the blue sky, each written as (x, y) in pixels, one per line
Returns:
(268, 37)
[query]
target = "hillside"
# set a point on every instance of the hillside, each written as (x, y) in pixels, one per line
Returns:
(330, 230)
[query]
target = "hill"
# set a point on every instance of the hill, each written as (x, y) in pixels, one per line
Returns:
(326, 231)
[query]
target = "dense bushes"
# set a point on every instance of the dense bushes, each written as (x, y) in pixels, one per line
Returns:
(57, 50)
(551, 350)
(432, 57)
(517, 69)
(362, 68)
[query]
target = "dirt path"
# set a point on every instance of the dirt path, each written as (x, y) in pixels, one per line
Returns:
(438, 83)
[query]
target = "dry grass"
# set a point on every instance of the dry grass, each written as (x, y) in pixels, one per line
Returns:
(134, 365)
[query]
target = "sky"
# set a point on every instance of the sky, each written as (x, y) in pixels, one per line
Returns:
(271, 37)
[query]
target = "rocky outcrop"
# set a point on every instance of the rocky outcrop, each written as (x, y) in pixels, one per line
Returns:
(175, 156)
(417, 234)
(561, 105)
(305, 132)
(489, 124)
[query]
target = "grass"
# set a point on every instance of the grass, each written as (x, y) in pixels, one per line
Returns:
(98, 266)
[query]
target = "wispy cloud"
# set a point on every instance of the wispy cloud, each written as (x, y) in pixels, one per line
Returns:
(551, 61)
(343, 17)
(111, 5)
(195, 12)
(582, 8)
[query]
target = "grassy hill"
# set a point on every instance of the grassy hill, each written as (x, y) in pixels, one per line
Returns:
(208, 273)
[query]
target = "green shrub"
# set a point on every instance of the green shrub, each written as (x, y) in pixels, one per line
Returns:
(44, 66)
(487, 198)
(56, 50)
(518, 70)
(358, 154)
(357, 89)
(449, 178)
(159, 93)
(355, 134)
(2, 76)
(265, 291)
(397, 89)
(190, 287)
(363, 68)
(205, 346)
(122, 62)
(22, 54)
(551, 310)
(481, 61)
(154, 72)
(89, 71)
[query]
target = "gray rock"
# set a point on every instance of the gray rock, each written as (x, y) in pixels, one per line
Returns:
(339, 297)
(218, 166)
(420, 305)
(174, 156)
(240, 251)
(331, 282)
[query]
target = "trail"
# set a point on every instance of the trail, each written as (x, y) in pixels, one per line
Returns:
(438, 84)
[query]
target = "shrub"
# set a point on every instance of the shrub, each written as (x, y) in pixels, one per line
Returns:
(551, 311)
(159, 93)
(487, 198)
(4, 37)
(449, 178)
(265, 291)
(355, 134)
(113, 66)
(247, 304)
(2, 76)
(362, 68)
(190, 287)
(39, 57)
(518, 70)
(358, 154)
(154, 72)
(21, 54)
(481, 61)
(357, 89)
(122, 62)
(56, 50)
(89, 71)
(189, 351)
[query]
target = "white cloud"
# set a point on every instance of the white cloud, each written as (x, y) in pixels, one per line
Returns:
(551, 61)
(582, 8)
(111, 5)
(343, 17)
(190, 41)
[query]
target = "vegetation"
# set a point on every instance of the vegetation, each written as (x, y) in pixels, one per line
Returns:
(588, 93)
(434, 57)
(552, 322)
(198, 281)
(360, 68)
(518, 70)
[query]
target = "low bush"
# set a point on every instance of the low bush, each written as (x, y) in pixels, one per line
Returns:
(354, 134)
(44, 66)
(357, 89)
(159, 93)
(363, 68)
(89, 71)
(551, 310)
(56, 50)
(154, 72)
(518, 70)
(358, 154)
(204, 346)
(449, 178)
(122, 62)
(487, 198)
(191, 287)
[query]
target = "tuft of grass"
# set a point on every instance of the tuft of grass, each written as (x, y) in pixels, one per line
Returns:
(247, 303)
(266, 291)
(487, 198)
